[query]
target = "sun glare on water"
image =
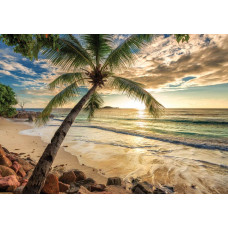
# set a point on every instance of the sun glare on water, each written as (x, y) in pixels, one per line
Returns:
(135, 104)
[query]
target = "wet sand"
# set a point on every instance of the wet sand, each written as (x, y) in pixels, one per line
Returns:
(33, 147)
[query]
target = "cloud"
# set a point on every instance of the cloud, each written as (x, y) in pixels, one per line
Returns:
(15, 66)
(165, 62)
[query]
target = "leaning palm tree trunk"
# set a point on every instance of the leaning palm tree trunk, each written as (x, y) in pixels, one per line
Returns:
(37, 180)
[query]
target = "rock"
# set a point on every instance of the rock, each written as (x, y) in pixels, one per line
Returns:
(19, 190)
(79, 175)
(5, 161)
(87, 183)
(29, 174)
(2, 152)
(31, 118)
(159, 191)
(114, 181)
(51, 185)
(143, 188)
(25, 165)
(73, 189)
(63, 187)
(16, 166)
(68, 177)
(24, 182)
(114, 189)
(21, 172)
(6, 171)
(98, 188)
(12, 157)
(9, 183)
(83, 190)
(168, 189)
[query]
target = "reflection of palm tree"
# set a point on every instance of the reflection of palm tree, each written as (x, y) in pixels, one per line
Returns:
(93, 61)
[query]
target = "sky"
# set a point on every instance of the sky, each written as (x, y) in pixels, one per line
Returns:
(185, 75)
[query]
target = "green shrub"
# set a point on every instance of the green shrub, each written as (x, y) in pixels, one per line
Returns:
(7, 99)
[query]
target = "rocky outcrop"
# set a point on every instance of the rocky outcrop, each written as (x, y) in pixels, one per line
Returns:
(30, 115)
(15, 173)
(13, 176)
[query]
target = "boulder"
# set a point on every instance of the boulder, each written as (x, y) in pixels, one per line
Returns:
(25, 165)
(51, 185)
(87, 183)
(63, 187)
(5, 161)
(83, 190)
(21, 172)
(114, 181)
(68, 177)
(6, 171)
(143, 188)
(16, 166)
(98, 188)
(9, 183)
(23, 182)
(2, 152)
(73, 189)
(79, 175)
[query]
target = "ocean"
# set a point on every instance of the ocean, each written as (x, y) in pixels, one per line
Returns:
(185, 148)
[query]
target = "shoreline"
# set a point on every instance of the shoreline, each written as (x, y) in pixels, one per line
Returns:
(33, 147)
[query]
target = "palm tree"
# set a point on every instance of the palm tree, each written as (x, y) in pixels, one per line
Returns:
(90, 59)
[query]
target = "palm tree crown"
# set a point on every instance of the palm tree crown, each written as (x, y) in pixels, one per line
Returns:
(93, 59)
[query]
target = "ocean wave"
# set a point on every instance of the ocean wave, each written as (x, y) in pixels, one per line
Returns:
(201, 145)
(212, 122)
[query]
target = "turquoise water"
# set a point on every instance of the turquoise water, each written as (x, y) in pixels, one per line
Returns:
(183, 148)
(203, 128)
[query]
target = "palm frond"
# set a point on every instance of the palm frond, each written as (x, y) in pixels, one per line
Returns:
(135, 90)
(58, 100)
(95, 102)
(69, 55)
(67, 78)
(124, 55)
(99, 45)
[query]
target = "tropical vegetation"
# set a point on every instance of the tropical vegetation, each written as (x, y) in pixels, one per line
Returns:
(7, 100)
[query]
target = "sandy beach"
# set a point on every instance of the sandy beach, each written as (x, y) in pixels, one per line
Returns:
(33, 147)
